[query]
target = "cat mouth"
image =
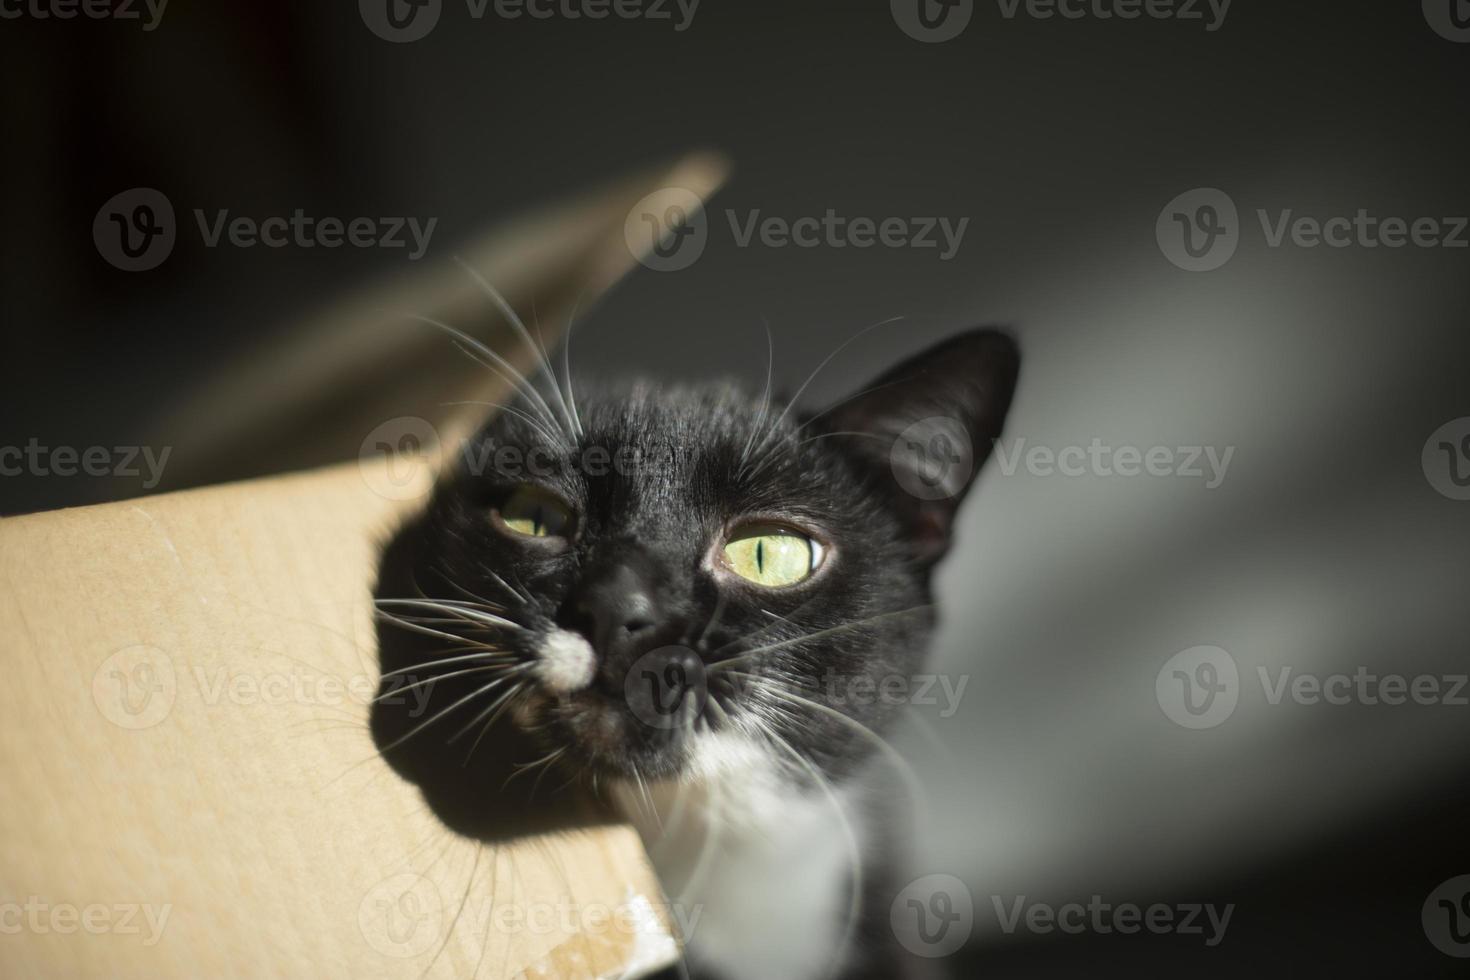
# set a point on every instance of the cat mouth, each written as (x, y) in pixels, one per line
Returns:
(631, 716)
(601, 734)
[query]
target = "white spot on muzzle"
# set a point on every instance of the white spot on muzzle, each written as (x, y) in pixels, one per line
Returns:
(565, 662)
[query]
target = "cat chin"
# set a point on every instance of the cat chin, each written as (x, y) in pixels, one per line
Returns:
(729, 756)
(600, 737)
(728, 777)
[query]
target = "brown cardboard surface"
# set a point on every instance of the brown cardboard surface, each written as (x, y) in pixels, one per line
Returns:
(190, 788)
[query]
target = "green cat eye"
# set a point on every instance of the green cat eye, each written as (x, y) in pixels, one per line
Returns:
(534, 513)
(772, 556)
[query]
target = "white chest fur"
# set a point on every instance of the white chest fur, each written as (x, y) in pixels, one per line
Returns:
(759, 872)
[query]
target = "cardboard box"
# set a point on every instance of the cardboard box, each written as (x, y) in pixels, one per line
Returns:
(190, 785)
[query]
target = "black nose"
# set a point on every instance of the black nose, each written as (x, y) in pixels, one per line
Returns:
(619, 611)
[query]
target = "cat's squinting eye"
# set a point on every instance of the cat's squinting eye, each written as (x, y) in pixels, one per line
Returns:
(772, 556)
(534, 513)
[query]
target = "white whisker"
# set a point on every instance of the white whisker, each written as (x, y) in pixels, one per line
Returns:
(449, 660)
(520, 327)
(456, 610)
(902, 765)
(844, 627)
(765, 397)
(468, 697)
(502, 367)
(431, 680)
(566, 364)
(791, 402)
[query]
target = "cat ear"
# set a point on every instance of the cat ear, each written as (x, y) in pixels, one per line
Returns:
(923, 429)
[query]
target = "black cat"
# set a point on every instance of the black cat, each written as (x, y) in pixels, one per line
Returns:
(667, 598)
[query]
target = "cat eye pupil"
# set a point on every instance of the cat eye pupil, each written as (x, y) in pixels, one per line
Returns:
(531, 513)
(771, 556)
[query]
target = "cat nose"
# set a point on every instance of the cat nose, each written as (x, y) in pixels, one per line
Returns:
(619, 610)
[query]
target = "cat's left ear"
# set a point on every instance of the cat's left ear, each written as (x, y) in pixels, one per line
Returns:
(923, 429)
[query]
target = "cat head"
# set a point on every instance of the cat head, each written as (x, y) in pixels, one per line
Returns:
(641, 574)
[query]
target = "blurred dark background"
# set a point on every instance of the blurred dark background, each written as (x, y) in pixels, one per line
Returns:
(1326, 548)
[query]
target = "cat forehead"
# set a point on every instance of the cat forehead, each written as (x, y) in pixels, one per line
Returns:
(693, 413)
(649, 448)
(682, 440)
